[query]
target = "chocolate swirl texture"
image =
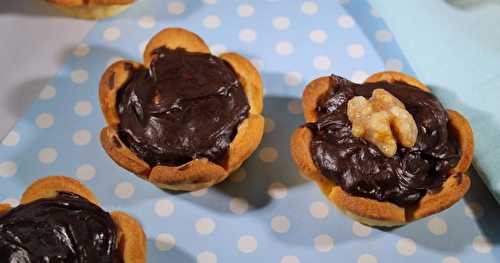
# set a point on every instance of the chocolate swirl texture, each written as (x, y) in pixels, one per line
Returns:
(360, 168)
(66, 228)
(186, 106)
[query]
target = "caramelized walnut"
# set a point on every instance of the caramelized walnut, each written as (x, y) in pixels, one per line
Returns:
(382, 120)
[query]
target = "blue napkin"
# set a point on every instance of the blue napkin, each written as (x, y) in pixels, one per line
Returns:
(454, 47)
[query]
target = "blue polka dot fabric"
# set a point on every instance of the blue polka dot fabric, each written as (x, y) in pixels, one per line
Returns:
(265, 212)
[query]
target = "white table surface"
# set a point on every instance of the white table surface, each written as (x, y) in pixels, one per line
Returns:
(35, 41)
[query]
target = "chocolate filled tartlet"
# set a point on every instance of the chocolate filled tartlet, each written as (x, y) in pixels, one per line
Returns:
(385, 152)
(92, 9)
(59, 220)
(185, 119)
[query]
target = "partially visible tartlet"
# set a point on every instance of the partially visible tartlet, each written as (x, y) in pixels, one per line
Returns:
(92, 9)
(66, 216)
(358, 178)
(184, 119)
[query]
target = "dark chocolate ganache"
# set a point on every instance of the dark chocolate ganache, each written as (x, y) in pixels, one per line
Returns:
(66, 228)
(360, 168)
(185, 106)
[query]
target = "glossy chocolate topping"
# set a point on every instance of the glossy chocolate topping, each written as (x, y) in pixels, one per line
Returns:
(360, 168)
(66, 228)
(186, 106)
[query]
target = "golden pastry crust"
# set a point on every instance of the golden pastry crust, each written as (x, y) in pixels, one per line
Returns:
(92, 9)
(196, 174)
(370, 211)
(4, 208)
(131, 238)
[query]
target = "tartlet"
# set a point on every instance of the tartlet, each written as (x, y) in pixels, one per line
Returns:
(130, 238)
(368, 210)
(199, 172)
(92, 9)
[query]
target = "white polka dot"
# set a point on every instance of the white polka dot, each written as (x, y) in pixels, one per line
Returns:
(437, 226)
(323, 243)
(309, 8)
(164, 242)
(206, 257)
(383, 35)
(47, 155)
(47, 93)
(284, 48)
(346, 21)
(111, 33)
(356, 51)
(247, 35)
(85, 172)
(293, 78)
(361, 230)
(280, 224)
(44, 120)
(268, 154)
(277, 190)
(238, 176)
(205, 226)
(473, 210)
(211, 22)
(176, 8)
(247, 244)
(164, 207)
(482, 245)
(8, 169)
(79, 76)
(318, 210)
(451, 260)
(238, 205)
(217, 49)
(245, 10)
(81, 50)
(295, 107)
(142, 46)
(393, 64)
(113, 60)
(375, 13)
(210, 2)
(366, 258)
(257, 63)
(199, 193)
(406, 247)
(269, 125)
(318, 36)
(83, 108)
(12, 138)
(11, 201)
(290, 259)
(147, 22)
(359, 76)
(82, 137)
(124, 190)
(321, 63)
(281, 22)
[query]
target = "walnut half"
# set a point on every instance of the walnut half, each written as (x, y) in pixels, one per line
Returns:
(382, 120)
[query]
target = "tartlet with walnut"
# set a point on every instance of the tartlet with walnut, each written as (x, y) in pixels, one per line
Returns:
(130, 238)
(92, 9)
(371, 211)
(199, 172)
